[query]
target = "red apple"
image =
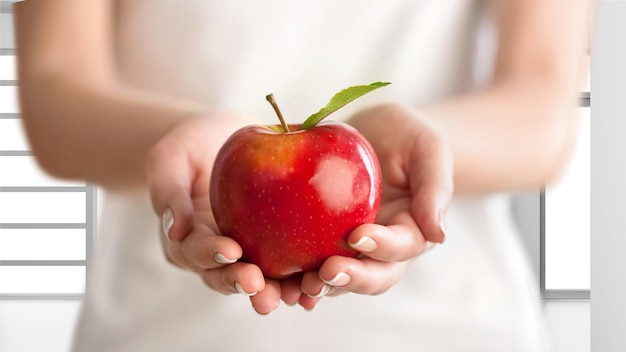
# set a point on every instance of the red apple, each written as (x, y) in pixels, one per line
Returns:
(291, 199)
(291, 195)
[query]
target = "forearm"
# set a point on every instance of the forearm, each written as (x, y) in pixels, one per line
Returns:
(81, 121)
(508, 137)
(97, 132)
(517, 133)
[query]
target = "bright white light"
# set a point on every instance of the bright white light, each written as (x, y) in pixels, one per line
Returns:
(567, 220)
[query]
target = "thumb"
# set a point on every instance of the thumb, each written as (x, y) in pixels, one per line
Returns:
(431, 183)
(170, 178)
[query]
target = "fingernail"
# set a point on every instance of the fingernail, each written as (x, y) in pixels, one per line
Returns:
(167, 222)
(340, 279)
(444, 228)
(322, 293)
(429, 246)
(240, 290)
(365, 244)
(221, 259)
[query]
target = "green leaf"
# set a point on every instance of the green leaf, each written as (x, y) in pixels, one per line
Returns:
(340, 100)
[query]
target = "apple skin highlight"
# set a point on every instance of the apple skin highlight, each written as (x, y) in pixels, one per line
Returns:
(291, 199)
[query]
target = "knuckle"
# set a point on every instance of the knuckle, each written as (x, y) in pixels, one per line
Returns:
(174, 256)
(174, 262)
(207, 280)
(380, 290)
(415, 251)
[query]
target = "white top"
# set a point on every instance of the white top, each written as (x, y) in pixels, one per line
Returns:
(474, 293)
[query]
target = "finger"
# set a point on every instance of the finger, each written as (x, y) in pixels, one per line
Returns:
(307, 302)
(169, 180)
(431, 183)
(202, 249)
(268, 299)
(363, 276)
(312, 286)
(290, 291)
(399, 241)
(314, 289)
(239, 277)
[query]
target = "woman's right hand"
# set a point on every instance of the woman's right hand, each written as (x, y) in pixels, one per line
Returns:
(178, 172)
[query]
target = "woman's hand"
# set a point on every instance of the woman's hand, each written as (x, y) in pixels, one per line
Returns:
(417, 168)
(178, 171)
(417, 186)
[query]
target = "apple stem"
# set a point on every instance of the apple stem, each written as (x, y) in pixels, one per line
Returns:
(270, 99)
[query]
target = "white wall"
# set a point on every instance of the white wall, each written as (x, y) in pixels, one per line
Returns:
(569, 324)
(36, 326)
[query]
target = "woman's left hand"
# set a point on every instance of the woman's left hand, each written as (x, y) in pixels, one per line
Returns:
(417, 169)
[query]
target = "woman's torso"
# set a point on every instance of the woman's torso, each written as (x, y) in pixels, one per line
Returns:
(470, 294)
